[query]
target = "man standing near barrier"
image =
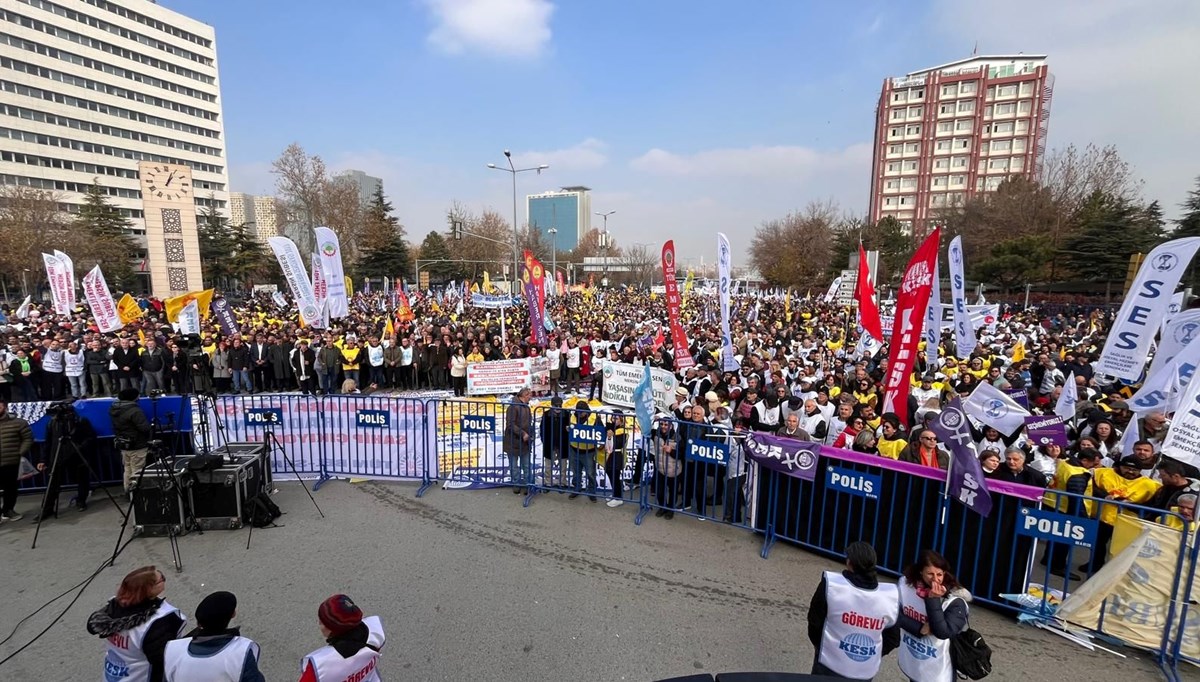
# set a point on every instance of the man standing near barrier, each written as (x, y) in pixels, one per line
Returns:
(518, 440)
(583, 453)
(852, 618)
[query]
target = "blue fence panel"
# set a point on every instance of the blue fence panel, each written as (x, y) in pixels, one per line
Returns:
(293, 420)
(468, 443)
(587, 452)
(379, 437)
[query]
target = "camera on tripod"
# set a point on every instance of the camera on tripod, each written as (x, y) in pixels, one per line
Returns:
(156, 393)
(60, 408)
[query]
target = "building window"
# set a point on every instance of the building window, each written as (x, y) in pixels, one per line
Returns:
(949, 91)
(893, 167)
(897, 114)
(941, 164)
(913, 130)
(958, 162)
(939, 181)
(1001, 145)
(962, 144)
(912, 147)
(1026, 88)
(889, 201)
(890, 184)
(1024, 107)
(958, 180)
(894, 149)
(915, 112)
(945, 127)
(1003, 128)
(967, 88)
(1018, 145)
(908, 182)
(910, 165)
(1006, 91)
(900, 96)
(895, 132)
(1005, 109)
(966, 106)
(943, 145)
(963, 124)
(906, 201)
(945, 109)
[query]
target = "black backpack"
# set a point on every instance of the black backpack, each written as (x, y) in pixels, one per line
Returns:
(261, 511)
(970, 655)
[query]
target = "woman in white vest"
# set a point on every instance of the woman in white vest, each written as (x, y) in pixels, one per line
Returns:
(934, 609)
(852, 618)
(137, 624)
(213, 652)
(74, 361)
(352, 644)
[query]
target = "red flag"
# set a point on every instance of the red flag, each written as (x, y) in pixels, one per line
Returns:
(911, 302)
(658, 339)
(864, 293)
(404, 311)
(679, 342)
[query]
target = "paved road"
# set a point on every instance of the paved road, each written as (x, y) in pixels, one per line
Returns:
(472, 586)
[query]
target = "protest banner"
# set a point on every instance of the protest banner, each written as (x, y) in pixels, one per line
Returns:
(621, 379)
(498, 376)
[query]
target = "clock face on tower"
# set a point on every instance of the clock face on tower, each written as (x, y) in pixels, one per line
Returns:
(166, 182)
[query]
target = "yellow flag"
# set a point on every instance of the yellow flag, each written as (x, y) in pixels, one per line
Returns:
(141, 334)
(1019, 351)
(787, 305)
(128, 309)
(475, 288)
(487, 282)
(653, 296)
(349, 286)
(389, 330)
(203, 300)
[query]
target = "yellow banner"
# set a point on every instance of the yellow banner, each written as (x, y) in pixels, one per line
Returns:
(349, 287)
(128, 310)
(203, 301)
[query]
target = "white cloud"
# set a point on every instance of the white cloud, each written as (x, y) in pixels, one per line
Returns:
(1123, 75)
(587, 155)
(514, 28)
(763, 161)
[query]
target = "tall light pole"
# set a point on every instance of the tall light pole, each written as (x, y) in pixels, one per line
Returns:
(553, 232)
(604, 244)
(516, 234)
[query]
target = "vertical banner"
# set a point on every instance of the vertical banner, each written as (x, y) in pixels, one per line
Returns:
(864, 293)
(724, 266)
(964, 333)
(1128, 345)
(319, 285)
(964, 480)
(293, 271)
(833, 289)
(23, 309)
(1177, 333)
(104, 309)
(679, 342)
(562, 283)
(56, 276)
(224, 315)
(531, 277)
(69, 268)
(330, 250)
(911, 301)
(933, 322)
(189, 319)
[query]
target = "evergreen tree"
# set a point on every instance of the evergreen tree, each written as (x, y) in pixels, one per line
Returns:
(433, 249)
(1188, 224)
(216, 246)
(1109, 231)
(250, 260)
(104, 239)
(384, 253)
(1014, 263)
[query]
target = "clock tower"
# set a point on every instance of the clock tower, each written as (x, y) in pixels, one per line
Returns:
(172, 242)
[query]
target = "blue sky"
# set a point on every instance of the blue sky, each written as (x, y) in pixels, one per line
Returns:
(687, 118)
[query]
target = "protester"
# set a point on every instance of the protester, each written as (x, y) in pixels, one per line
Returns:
(1123, 483)
(518, 441)
(852, 618)
(16, 442)
(137, 624)
(213, 651)
(353, 644)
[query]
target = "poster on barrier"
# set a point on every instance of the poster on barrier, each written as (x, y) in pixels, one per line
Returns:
(293, 420)
(620, 378)
(368, 437)
(500, 376)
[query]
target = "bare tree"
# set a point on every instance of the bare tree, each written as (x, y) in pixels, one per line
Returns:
(794, 250)
(641, 262)
(31, 221)
(310, 198)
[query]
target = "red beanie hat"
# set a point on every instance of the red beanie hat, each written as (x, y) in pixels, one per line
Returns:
(339, 614)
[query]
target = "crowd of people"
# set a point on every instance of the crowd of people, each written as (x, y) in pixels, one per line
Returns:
(145, 638)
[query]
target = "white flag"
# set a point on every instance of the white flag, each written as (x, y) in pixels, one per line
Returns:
(189, 318)
(1183, 438)
(1065, 407)
(23, 309)
(1177, 333)
(964, 333)
(56, 275)
(69, 268)
(995, 408)
(104, 309)
(297, 279)
(724, 268)
(933, 328)
(833, 289)
(330, 249)
(320, 290)
(1128, 345)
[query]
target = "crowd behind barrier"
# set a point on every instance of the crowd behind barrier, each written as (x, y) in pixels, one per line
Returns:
(703, 470)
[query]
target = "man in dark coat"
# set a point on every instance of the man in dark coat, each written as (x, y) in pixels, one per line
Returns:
(518, 440)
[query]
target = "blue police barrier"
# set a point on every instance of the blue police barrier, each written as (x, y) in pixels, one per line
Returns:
(376, 437)
(586, 452)
(288, 423)
(467, 447)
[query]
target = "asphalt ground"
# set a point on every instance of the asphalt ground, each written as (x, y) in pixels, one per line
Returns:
(472, 586)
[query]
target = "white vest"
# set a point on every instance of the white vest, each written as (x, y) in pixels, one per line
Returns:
(329, 666)
(925, 659)
(836, 426)
(74, 363)
(124, 660)
(224, 666)
(767, 416)
(810, 424)
(52, 361)
(852, 641)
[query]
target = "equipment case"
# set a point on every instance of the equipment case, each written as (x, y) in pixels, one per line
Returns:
(219, 496)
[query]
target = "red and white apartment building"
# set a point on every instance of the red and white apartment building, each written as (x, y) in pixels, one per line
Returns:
(943, 134)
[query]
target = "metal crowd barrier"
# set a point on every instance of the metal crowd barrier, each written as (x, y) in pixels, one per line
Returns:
(585, 452)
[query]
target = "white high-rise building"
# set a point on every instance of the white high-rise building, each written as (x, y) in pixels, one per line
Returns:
(90, 88)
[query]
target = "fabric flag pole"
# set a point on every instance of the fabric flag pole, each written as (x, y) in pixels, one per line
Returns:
(1128, 344)
(679, 342)
(104, 309)
(964, 334)
(724, 267)
(995, 408)
(643, 402)
(69, 271)
(329, 247)
(911, 301)
(23, 309)
(833, 289)
(965, 481)
(1065, 407)
(189, 319)
(864, 294)
(933, 322)
(297, 278)
(56, 275)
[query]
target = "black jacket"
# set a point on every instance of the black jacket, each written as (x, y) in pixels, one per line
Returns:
(114, 618)
(154, 360)
(818, 609)
(130, 424)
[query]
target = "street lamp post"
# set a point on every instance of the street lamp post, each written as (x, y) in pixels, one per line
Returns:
(604, 244)
(553, 232)
(516, 235)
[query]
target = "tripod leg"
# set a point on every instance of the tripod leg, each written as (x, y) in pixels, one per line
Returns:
(297, 473)
(50, 485)
(137, 485)
(93, 474)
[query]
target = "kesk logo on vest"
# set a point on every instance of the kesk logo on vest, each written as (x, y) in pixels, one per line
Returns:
(919, 650)
(858, 647)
